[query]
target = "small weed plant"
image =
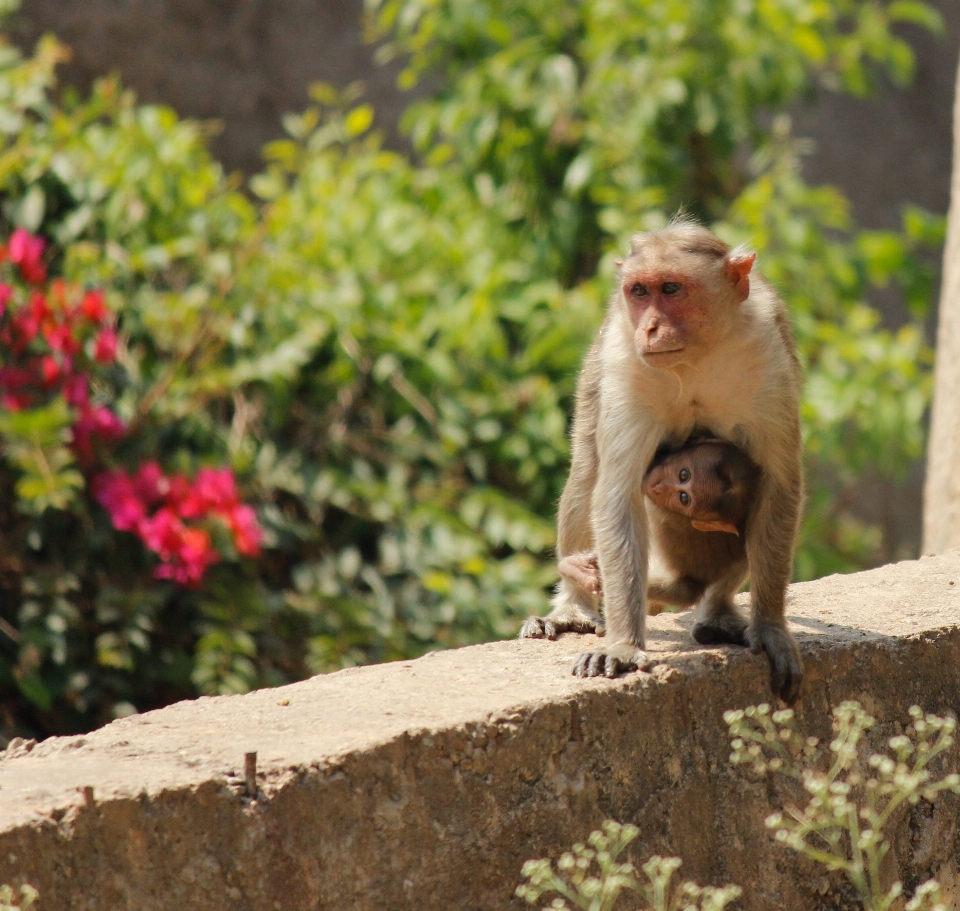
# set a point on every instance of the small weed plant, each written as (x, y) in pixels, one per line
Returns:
(13, 900)
(853, 799)
(853, 796)
(592, 877)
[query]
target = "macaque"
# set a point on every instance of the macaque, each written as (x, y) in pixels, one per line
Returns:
(709, 484)
(693, 343)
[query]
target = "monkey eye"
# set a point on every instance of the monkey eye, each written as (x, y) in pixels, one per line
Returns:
(684, 475)
(670, 287)
(638, 290)
(684, 498)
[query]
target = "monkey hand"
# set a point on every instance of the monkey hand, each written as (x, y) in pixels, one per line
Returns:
(612, 661)
(582, 569)
(786, 666)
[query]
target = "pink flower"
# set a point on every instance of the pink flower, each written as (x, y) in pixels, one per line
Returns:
(151, 485)
(116, 494)
(105, 347)
(76, 390)
(215, 488)
(15, 402)
(104, 423)
(99, 421)
(247, 534)
(186, 552)
(50, 370)
(162, 533)
(26, 250)
(5, 293)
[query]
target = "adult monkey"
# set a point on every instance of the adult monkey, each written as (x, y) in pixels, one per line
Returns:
(690, 343)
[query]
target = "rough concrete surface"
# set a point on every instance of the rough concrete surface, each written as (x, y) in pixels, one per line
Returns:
(426, 784)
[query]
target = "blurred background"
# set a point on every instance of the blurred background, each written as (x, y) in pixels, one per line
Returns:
(350, 260)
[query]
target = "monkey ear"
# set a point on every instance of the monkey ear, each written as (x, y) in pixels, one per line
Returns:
(738, 271)
(618, 263)
(728, 527)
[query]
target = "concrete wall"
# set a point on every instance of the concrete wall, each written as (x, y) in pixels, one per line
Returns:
(426, 784)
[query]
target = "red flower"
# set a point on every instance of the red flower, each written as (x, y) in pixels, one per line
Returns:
(26, 251)
(5, 293)
(190, 563)
(215, 488)
(25, 327)
(93, 307)
(60, 338)
(105, 348)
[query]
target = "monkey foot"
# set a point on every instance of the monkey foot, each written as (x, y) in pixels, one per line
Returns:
(786, 666)
(551, 626)
(611, 663)
(538, 628)
(725, 629)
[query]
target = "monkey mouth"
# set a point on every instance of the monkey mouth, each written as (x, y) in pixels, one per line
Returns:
(659, 351)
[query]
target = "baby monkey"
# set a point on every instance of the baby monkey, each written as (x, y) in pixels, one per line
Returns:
(707, 486)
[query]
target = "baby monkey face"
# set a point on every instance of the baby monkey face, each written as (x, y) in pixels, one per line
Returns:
(710, 482)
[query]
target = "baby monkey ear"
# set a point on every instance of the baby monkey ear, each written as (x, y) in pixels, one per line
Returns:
(738, 266)
(717, 525)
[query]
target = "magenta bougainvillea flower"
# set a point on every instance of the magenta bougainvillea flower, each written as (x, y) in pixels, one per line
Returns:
(52, 339)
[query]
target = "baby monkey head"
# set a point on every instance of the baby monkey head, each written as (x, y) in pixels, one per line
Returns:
(711, 482)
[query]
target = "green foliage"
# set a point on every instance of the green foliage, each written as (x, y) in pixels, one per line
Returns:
(592, 878)
(853, 798)
(383, 347)
(581, 123)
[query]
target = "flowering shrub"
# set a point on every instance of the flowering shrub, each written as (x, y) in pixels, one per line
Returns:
(53, 339)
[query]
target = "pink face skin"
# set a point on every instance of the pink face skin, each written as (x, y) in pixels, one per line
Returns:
(671, 486)
(668, 313)
(688, 483)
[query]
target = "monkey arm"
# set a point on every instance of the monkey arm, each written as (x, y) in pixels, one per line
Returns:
(625, 446)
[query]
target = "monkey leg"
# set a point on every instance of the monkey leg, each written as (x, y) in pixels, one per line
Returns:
(718, 621)
(683, 592)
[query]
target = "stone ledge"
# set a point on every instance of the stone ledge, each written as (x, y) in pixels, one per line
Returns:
(426, 784)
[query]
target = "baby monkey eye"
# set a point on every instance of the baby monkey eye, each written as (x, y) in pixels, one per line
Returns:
(684, 475)
(670, 287)
(684, 498)
(638, 290)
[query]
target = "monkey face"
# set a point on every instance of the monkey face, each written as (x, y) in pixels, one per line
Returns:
(681, 302)
(698, 482)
